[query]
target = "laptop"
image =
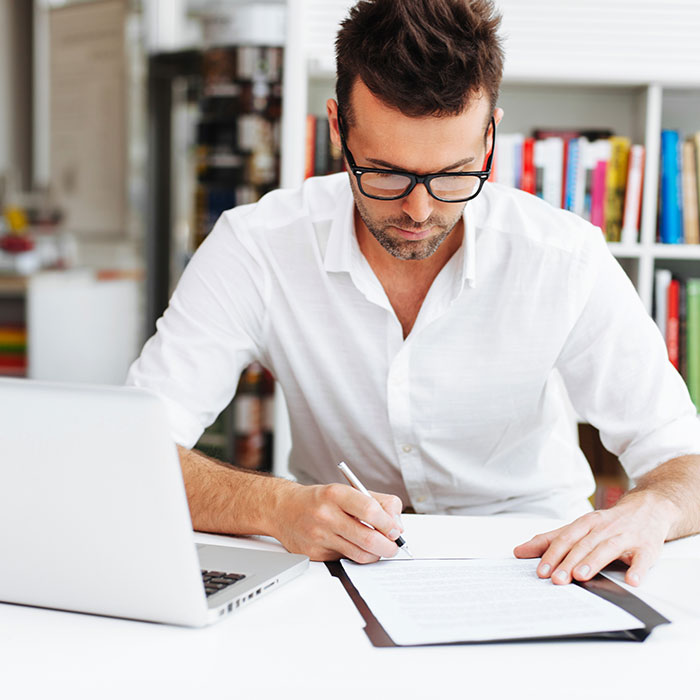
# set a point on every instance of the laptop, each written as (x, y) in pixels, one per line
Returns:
(94, 517)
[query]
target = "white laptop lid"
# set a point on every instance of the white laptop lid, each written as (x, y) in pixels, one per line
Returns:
(91, 497)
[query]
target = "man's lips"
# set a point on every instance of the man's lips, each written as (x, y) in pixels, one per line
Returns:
(414, 235)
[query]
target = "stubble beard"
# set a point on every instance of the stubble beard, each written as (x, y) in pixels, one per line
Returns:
(399, 247)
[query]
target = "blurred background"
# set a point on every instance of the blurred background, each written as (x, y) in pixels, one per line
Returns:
(128, 126)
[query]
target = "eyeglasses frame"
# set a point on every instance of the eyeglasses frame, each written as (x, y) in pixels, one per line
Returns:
(416, 179)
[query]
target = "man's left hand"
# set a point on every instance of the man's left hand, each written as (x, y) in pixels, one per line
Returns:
(633, 531)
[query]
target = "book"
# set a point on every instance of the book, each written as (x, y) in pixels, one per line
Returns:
(691, 226)
(573, 151)
(695, 138)
(505, 159)
(580, 175)
(552, 164)
(683, 330)
(693, 339)
(673, 322)
(615, 181)
(662, 280)
(633, 195)
(671, 219)
(527, 179)
(598, 190)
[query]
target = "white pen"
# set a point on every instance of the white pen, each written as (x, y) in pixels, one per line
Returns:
(354, 481)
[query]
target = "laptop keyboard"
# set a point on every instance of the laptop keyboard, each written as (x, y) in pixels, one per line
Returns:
(215, 581)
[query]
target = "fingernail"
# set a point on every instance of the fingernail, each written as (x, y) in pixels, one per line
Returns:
(545, 569)
(634, 579)
(394, 534)
(583, 570)
(399, 522)
(561, 576)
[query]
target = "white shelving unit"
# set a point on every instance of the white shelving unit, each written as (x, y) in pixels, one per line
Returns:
(629, 65)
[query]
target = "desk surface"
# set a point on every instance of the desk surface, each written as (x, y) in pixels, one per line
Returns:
(307, 640)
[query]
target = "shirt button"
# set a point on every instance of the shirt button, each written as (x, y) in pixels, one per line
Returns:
(407, 448)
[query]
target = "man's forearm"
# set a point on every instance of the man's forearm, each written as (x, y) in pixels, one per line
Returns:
(323, 521)
(678, 482)
(228, 500)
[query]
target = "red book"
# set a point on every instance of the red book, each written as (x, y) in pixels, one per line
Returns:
(673, 323)
(565, 167)
(527, 181)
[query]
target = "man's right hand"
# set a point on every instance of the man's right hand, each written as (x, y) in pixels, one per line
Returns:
(323, 522)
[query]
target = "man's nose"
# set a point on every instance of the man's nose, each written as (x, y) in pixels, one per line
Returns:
(419, 204)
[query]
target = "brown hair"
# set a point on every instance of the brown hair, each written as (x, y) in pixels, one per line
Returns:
(423, 57)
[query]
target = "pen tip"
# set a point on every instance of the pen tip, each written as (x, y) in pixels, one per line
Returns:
(408, 551)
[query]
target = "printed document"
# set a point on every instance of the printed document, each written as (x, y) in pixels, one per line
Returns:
(430, 601)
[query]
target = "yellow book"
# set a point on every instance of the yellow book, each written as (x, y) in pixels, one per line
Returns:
(615, 182)
(13, 336)
(689, 172)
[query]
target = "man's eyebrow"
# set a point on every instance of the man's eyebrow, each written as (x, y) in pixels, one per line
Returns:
(391, 166)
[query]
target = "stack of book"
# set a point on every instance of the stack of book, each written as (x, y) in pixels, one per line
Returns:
(238, 133)
(679, 191)
(677, 313)
(13, 351)
(592, 173)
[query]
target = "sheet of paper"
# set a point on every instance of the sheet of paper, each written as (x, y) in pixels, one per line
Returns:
(433, 601)
(460, 536)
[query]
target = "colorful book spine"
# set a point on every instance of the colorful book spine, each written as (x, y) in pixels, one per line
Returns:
(633, 195)
(527, 179)
(671, 219)
(616, 178)
(572, 171)
(662, 280)
(691, 226)
(693, 339)
(673, 323)
(553, 170)
(580, 187)
(598, 194)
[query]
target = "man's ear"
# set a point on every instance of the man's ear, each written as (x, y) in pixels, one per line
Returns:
(497, 115)
(332, 113)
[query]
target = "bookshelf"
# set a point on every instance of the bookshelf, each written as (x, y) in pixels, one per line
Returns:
(633, 67)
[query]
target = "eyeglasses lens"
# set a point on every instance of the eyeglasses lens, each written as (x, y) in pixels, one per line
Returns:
(391, 185)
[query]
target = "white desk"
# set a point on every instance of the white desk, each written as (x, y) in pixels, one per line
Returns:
(307, 641)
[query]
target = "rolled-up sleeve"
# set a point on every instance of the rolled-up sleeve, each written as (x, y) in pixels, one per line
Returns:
(209, 333)
(617, 372)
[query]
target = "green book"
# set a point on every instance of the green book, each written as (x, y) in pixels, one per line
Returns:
(693, 338)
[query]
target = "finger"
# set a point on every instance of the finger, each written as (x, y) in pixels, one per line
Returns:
(537, 545)
(560, 546)
(364, 538)
(642, 561)
(364, 508)
(391, 504)
(349, 550)
(606, 551)
(574, 565)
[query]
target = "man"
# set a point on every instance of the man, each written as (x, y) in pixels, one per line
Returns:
(416, 319)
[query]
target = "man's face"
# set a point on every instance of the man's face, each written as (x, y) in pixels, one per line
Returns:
(414, 227)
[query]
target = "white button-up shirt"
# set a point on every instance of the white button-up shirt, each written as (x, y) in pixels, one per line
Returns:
(466, 414)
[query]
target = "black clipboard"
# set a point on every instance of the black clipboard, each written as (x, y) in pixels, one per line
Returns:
(599, 585)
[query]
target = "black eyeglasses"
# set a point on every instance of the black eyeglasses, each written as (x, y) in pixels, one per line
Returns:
(378, 183)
